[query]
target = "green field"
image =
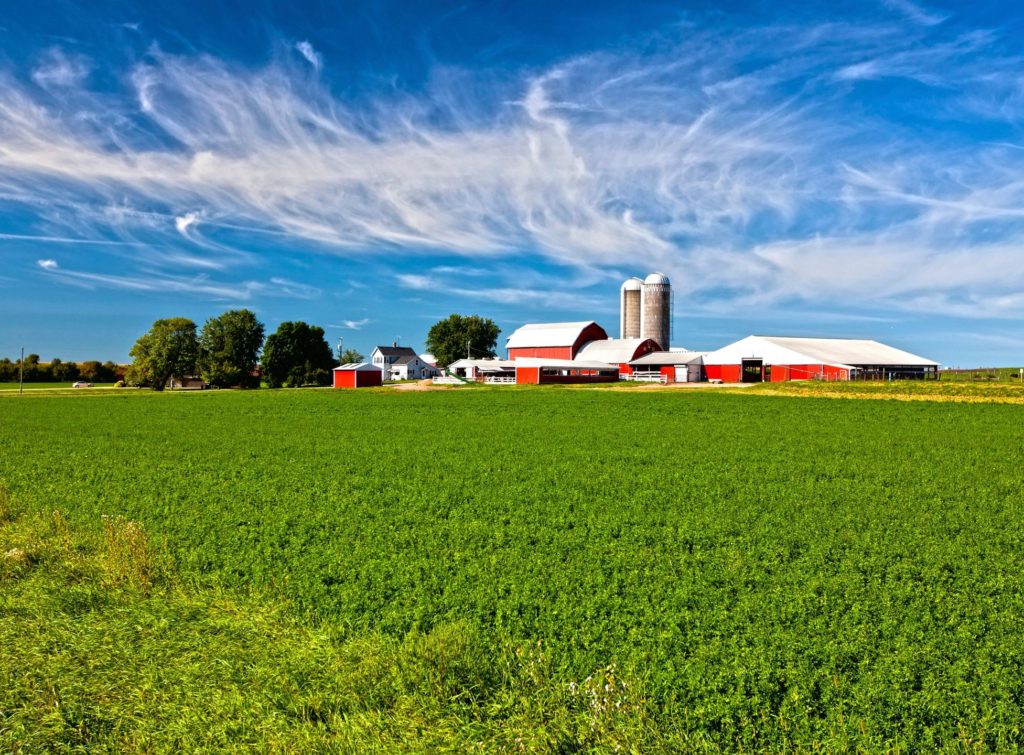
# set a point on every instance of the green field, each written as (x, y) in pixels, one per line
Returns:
(457, 569)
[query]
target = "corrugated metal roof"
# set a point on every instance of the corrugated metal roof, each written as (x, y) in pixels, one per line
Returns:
(840, 352)
(357, 367)
(547, 334)
(617, 350)
(669, 358)
(565, 364)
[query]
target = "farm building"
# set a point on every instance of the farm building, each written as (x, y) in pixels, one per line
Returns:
(669, 366)
(617, 351)
(485, 370)
(545, 370)
(554, 340)
(758, 359)
(357, 375)
(401, 363)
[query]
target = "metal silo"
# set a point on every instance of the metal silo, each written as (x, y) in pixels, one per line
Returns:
(656, 309)
(629, 308)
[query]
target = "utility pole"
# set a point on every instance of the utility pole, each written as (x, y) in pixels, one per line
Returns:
(340, 352)
(21, 373)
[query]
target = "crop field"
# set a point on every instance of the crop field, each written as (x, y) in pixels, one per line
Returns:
(517, 569)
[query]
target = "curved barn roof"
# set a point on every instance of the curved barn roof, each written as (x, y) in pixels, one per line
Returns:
(617, 350)
(545, 334)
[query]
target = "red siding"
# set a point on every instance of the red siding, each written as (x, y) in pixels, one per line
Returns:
(592, 332)
(546, 352)
(669, 371)
(533, 376)
(727, 373)
(730, 373)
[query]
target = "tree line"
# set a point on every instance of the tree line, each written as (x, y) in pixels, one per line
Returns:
(58, 371)
(230, 351)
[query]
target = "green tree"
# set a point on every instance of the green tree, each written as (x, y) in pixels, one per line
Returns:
(33, 370)
(297, 354)
(229, 349)
(169, 349)
(447, 339)
(350, 356)
(63, 372)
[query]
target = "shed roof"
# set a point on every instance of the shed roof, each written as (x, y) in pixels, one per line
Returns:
(841, 352)
(565, 364)
(484, 365)
(547, 334)
(617, 350)
(657, 358)
(357, 367)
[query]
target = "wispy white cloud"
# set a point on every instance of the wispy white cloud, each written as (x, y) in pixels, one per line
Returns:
(311, 55)
(915, 12)
(352, 324)
(741, 172)
(58, 69)
(47, 264)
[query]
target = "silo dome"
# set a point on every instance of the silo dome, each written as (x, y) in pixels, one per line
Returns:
(633, 284)
(656, 279)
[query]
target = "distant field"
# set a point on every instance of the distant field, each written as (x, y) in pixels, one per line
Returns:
(50, 387)
(1001, 374)
(524, 569)
(1007, 392)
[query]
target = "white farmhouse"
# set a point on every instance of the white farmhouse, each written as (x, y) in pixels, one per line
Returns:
(401, 363)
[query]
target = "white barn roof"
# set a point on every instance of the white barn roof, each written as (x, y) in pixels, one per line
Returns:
(617, 350)
(564, 364)
(841, 352)
(656, 358)
(547, 334)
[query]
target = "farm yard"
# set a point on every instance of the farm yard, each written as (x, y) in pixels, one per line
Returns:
(520, 569)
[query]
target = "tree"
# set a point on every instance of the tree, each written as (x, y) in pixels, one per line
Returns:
(447, 339)
(229, 349)
(169, 349)
(297, 354)
(33, 371)
(350, 356)
(63, 372)
(95, 372)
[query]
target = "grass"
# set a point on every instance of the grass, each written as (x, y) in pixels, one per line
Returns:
(1009, 392)
(15, 387)
(764, 572)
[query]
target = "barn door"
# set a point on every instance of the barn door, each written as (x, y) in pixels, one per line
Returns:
(752, 371)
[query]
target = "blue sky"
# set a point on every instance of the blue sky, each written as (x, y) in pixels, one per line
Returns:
(807, 169)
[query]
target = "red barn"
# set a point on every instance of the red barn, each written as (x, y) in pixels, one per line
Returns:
(774, 359)
(358, 375)
(553, 340)
(617, 351)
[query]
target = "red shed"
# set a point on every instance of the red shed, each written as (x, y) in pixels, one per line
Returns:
(358, 375)
(554, 340)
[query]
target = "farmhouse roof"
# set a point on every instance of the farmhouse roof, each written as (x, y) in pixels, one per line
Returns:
(396, 351)
(544, 334)
(405, 359)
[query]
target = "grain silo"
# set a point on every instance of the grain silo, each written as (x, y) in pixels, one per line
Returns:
(629, 308)
(656, 309)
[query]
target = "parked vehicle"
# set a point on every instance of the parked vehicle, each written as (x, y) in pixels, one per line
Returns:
(81, 384)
